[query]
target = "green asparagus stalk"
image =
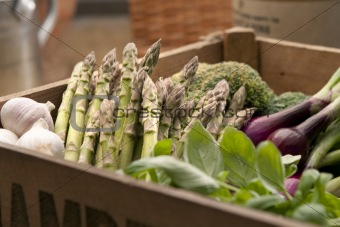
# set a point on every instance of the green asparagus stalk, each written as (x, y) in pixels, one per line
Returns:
(130, 131)
(63, 117)
(93, 81)
(102, 87)
(173, 101)
(189, 72)
(75, 136)
(88, 148)
(168, 84)
(162, 92)
(236, 104)
(110, 158)
(150, 119)
(151, 56)
(107, 127)
(137, 153)
(221, 95)
(184, 111)
(128, 73)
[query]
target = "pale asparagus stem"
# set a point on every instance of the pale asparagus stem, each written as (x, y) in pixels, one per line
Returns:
(75, 135)
(128, 73)
(221, 94)
(149, 119)
(125, 150)
(87, 149)
(162, 92)
(102, 87)
(238, 120)
(236, 104)
(63, 117)
(172, 102)
(151, 56)
(110, 158)
(107, 127)
(189, 72)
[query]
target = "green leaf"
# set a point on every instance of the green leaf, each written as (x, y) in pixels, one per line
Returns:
(242, 196)
(311, 212)
(258, 187)
(307, 181)
(269, 166)
(202, 151)
(182, 174)
(290, 159)
(290, 170)
(162, 147)
(265, 202)
(238, 156)
(320, 187)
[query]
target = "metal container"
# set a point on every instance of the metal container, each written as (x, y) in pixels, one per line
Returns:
(21, 39)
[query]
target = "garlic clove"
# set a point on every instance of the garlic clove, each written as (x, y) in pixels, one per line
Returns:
(19, 114)
(40, 139)
(7, 136)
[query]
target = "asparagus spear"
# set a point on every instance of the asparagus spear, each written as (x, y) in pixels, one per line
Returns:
(151, 56)
(75, 136)
(221, 95)
(149, 120)
(93, 81)
(162, 92)
(189, 72)
(173, 101)
(128, 73)
(87, 149)
(102, 88)
(236, 104)
(130, 131)
(168, 84)
(63, 117)
(107, 127)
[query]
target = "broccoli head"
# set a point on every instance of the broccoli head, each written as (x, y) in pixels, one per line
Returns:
(285, 100)
(259, 94)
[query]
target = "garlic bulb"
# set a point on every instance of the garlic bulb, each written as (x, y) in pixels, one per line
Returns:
(40, 139)
(6, 136)
(19, 114)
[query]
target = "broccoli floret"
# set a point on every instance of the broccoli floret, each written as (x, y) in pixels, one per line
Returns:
(285, 100)
(259, 94)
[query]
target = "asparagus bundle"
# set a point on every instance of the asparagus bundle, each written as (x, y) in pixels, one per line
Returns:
(173, 101)
(128, 73)
(130, 131)
(162, 92)
(221, 93)
(105, 156)
(62, 121)
(151, 56)
(76, 130)
(149, 119)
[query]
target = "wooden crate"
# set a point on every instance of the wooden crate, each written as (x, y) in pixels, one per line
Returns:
(37, 190)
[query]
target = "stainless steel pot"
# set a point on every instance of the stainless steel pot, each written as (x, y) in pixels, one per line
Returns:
(21, 40)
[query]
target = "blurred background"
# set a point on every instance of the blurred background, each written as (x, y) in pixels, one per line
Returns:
(70, 29)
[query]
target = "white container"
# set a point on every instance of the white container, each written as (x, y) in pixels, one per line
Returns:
(306, 21)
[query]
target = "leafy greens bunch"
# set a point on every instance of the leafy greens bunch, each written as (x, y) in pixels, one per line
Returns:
(235, 171)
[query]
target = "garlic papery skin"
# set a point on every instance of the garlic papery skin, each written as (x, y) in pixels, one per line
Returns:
(7, 136)
(19, 114)
(40, 139)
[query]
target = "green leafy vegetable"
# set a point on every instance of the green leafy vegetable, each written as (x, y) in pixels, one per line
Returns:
(269, 166)
(238, 156)
(182, 174)
(202, 151)
(162, 147)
